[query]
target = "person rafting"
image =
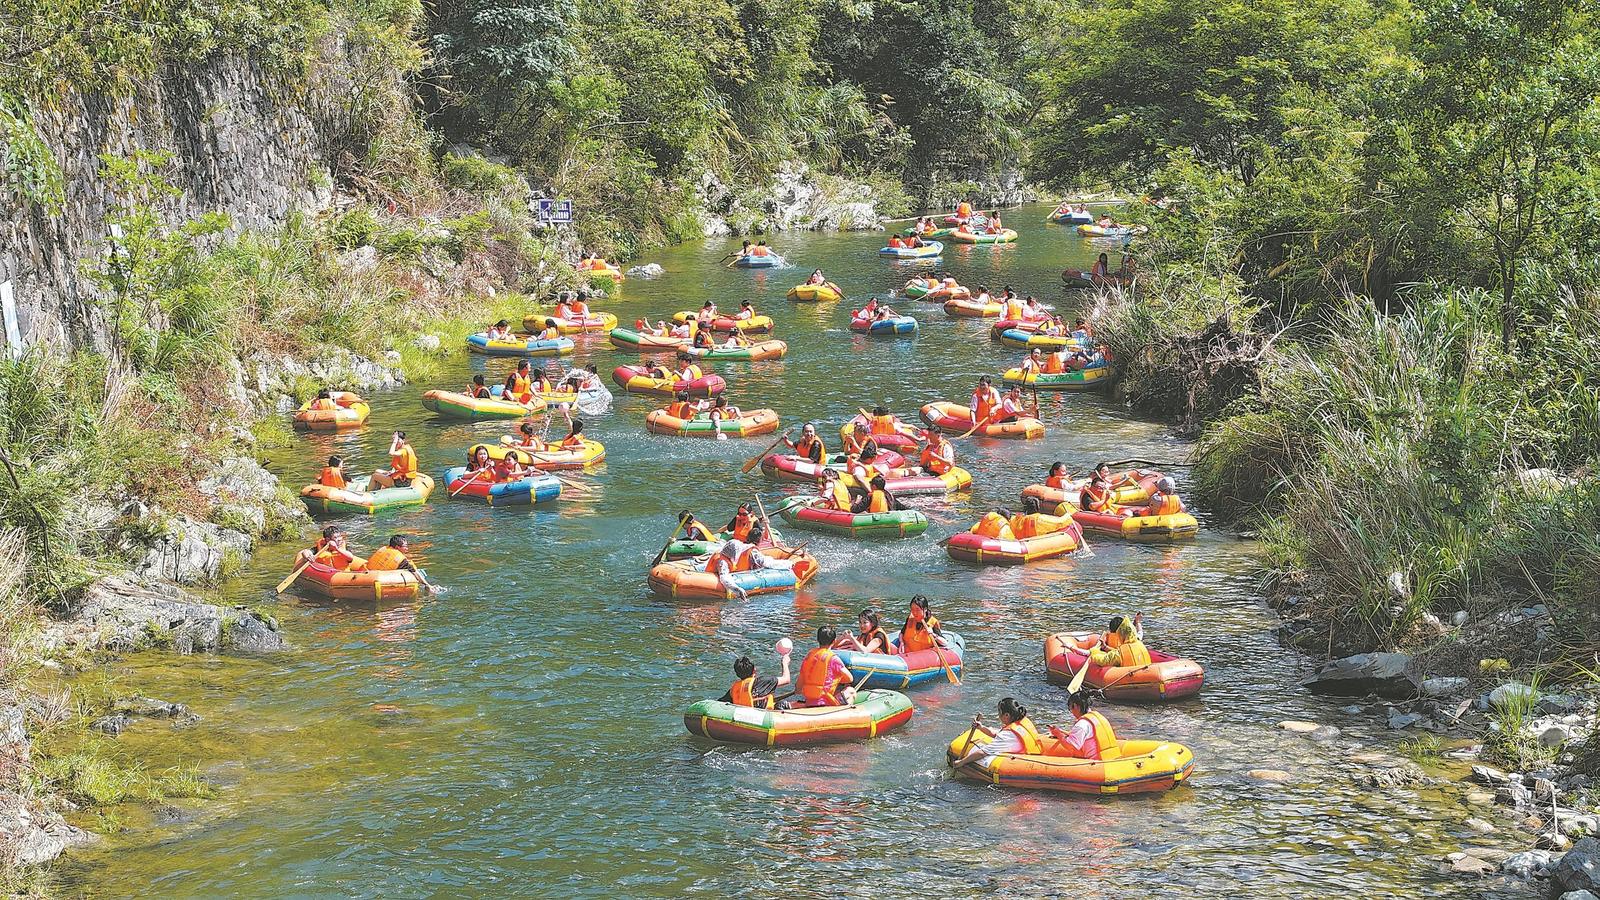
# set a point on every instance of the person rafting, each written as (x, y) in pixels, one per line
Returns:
(702, 339)
(994, 226)
(1032, 523)
(750, 689)
(499, 331)
(510, 466)
(693, 529)
(1013, 307)
(707, 314)
(1058, 477)
(985, 401)
(1055, 362)
(963, 211)
(1164, 499)
(477, 389)
(1125, 647)
(479, 462)
(574, 439)
(834, 489)
(402, 464)
(1096, 496)
(879, 500)
(1032, 363)
(887, 423)
(921, 630)
(563, 308)
(761, 249)
(895, 243)
(549, 332)
(392, 557)
(721, 412)
(332, 473)
(1034, 311)
(329, 550)
(527, 441)
(824, 680)
(871, 638)
(681, 331)
(741, 524)
(1016, 734)
(995, 524)
(691, 371)
(859, 444)
(938, 454)
(736, 339)
(746, 311)
(324, 401)
(682, 407)
(740, 555)
(809, 445)
(580, 306)
(1101, 267)
(1091, 735)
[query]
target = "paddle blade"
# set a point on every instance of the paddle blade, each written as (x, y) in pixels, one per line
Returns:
(1077, 679)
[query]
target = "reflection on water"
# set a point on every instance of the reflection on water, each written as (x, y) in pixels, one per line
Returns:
(521, 734)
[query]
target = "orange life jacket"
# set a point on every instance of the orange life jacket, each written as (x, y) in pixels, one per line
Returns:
(914, 637)
(866, 638)
(331, 477)
(1104, 736)
(883, 425)
(964, 208)
(758, 251)
(334, 558)
(934, 462)
(986, 401)
(404, 463)
(1134, 653)
(1027, 736)
(742, 564)
(741, 529)
(1059, 482)
(681, 409)
(386, 559)
(993, 525)
(1024, 525)
(803, 447)
(1054, 363)
(742, 696)
(1095, 499)
(878, 503)
(1164, 505)
(520, 384)
(814, 683)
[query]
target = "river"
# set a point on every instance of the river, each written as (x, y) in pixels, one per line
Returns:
(521, 734)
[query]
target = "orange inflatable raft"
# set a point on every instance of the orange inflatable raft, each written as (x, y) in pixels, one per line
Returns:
(1136, 767)
(689, 579)
(343, 584)
(1165, 677)
(349, 411)
(970, 547)
(953, 418)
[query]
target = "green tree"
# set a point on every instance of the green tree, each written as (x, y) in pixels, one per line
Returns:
(503, 58)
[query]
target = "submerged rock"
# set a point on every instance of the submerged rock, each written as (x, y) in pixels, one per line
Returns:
(1528, 864)
(1389, 675)
(648, 270)
(1274, 776)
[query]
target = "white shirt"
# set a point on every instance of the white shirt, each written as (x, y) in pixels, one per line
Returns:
(1005, 741)
(1081, 738)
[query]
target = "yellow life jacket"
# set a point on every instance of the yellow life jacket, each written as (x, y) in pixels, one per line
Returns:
(1027, 736)
(386, 559)
(1134, 653)
(1104, 736)
(879, 502)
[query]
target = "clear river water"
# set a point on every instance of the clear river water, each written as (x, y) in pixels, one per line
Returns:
(521, 734)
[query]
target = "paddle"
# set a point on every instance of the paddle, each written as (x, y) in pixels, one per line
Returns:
(468, 481)
(967, 744)
(949, 671)
(1077, 678)
(756, 460)
(284, 584)
(980, 424)
(1119, 678)
(766, 523)
(667, 546)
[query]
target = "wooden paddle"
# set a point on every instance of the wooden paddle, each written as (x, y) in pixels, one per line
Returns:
(756, 460)
(986, 420)
(284, 584)
(668, 545)
(949, 671)
(967, 744)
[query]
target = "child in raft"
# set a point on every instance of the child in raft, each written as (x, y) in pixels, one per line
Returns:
(824, 680)
(500, 331)
(750, 689)
(477, 389)
(574, 439)
(722, 411)
(1016, 734)
(693, 529)
(871, 637)
(332, 473)
(922, 630)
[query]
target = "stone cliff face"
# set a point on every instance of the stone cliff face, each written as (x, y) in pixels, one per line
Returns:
(242, 141)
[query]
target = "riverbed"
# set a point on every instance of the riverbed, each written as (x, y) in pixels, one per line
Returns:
(522, 735)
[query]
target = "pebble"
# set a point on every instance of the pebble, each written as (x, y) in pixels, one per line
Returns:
(1275, 776)
(1297, 727)
(1479, 825)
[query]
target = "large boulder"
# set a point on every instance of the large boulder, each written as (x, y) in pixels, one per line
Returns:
(128, 615)
(1389, 675)
(1578, 870)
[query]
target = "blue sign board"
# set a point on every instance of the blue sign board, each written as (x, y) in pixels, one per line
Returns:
(555, 212)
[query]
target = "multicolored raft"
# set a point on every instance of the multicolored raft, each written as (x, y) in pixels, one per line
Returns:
(1165, 677)
(901, 671)
(873, 713)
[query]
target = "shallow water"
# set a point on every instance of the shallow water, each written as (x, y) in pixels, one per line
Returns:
(522, 735)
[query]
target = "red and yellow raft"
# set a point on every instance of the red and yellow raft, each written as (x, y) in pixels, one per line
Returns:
(344, 584)
(688, 578)
(968, 546)
(873, 713)
(1140, 767)
(895, 440)
(1129, 487)
(1165, 677)
(747, 424)
(349, 411)
(970, 308)
(952, 418)
(636, 380)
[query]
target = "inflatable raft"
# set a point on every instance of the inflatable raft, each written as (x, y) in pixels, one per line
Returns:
(927, 250)
(1071, 217)
(634, 380)
(872, 714)
(890, 327)
(1092, 230)
(929, 235)
(1003, 236)
(789, 467)
(1174, 527)
(688, 578)
(748, 424)
(518, 346)
(552, 459)
(599, 268)
(751, 261)
(773, 349)
(1135, 487)
(938, 294)
(900, 671)
(593, 323)
(1089, 379)
(452, 405)
(1140, 767)
(342, 584)
(968, 547)
(902, 443)
(355, 498)
(968, 308)
(952, 418)
(1165, 677)
(1021, 339)
(810, 512)
(628, 339)
(728, 324)
(537, 488)
(349, 411)
(814, 293)
(683, 548)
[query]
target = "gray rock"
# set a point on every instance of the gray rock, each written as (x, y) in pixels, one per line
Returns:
(1459, 619)
(648, 270)
(127, 615)
(1553, 841)
(1490, 776)
(33, 836)
(360, 260)
(250, 632)
(1399, 720)
(1325, 734)
(1578, 895)
(1444, 687)
(151, 708)
(1555, 735)
(1386, 772)
(427, 342)
(1528, 864)
(1479, 825)
(1557, 704)
(1515, 795)
(1274, 776)
(1467, 864)
(1578, 870)
(1511, 691)
(1389, 675)
(112, 725)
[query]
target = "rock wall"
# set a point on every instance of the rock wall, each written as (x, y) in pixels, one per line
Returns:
(241, 140)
